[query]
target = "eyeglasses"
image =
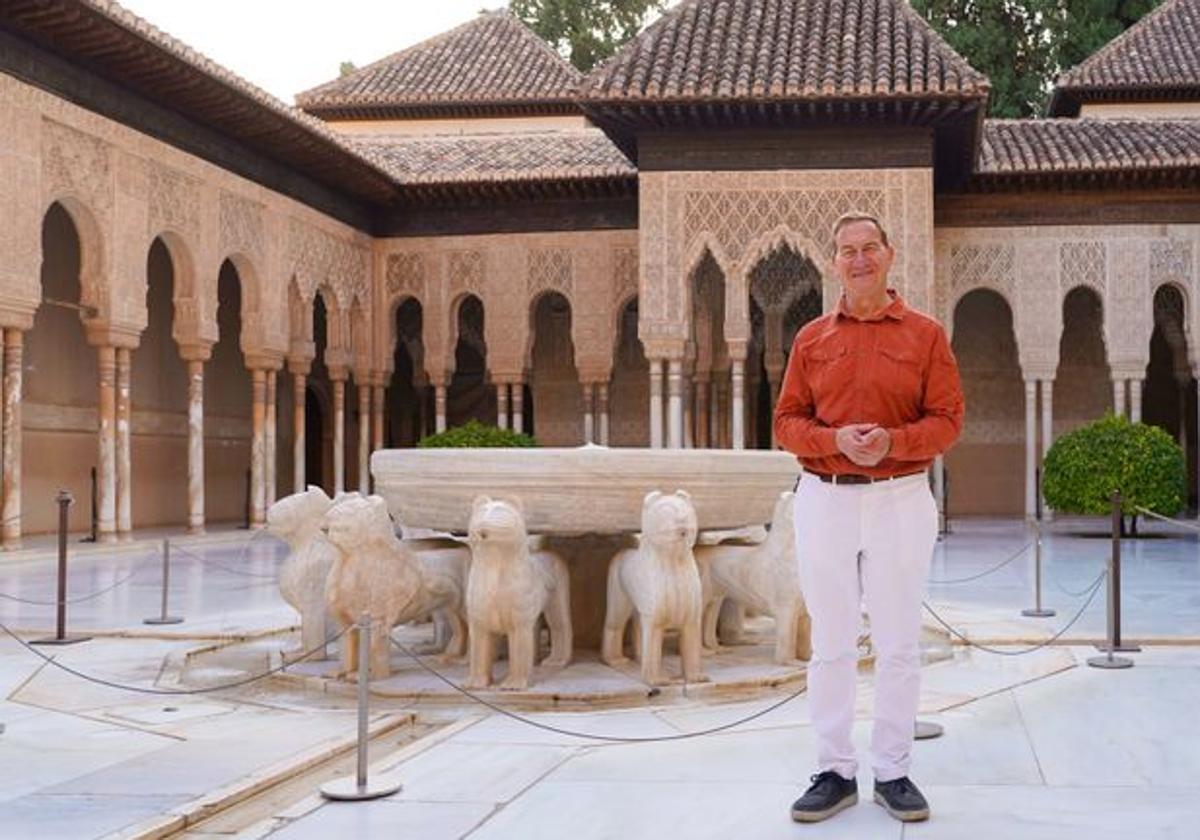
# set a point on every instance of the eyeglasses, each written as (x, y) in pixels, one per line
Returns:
(870, 250)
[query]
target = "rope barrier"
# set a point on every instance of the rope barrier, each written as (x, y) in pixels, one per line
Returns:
(81, 598)
(1095, 587)
(1176, 522)
(996, 568)
(589, 736)
(207, 561)
(50, 660)
(1068, 592)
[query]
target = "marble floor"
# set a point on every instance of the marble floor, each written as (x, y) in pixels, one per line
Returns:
(1036, 746)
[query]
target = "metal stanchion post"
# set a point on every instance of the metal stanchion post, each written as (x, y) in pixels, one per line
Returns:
(360, 787)
(1037, 610)
(60, 637)
(1114, 597)
(163, 618)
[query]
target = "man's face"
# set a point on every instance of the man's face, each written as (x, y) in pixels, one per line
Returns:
(862, 260)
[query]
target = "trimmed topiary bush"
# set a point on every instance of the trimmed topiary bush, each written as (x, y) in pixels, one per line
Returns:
(475, 434)
(1083, 467)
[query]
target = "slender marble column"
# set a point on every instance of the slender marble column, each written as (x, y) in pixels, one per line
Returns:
(602, 408)
(714, 415)
(270, 441)
(737, 409)
(589, 412)
(258, 446)
(689, 414)
(1119, 397)
(339, 435)
(675, 404)
(502, 405)
(518, 406)
(1031, 388)
(439, 401)
(124, 471)
(364, 438)
(13, 350)
(378, 416)
(195, 446)
(656, 403)
(106, 474)
(1135, 400)
(1047, 415)
(299, 395)
(700, 397)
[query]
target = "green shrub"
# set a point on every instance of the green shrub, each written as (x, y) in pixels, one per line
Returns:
(1083, 467)
(475, 434)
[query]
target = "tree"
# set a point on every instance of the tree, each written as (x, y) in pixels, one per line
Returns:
(1085, 466)
(586, 31)
(1023, 45)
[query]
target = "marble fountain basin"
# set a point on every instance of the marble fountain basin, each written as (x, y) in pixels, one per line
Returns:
(589, 489)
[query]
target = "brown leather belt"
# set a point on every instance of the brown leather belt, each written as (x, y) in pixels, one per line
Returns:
(853, 478)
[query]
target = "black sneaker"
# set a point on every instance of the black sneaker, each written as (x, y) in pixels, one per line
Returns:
(902, 799)
(829, 794)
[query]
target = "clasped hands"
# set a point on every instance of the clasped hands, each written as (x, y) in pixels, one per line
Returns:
(866, 444)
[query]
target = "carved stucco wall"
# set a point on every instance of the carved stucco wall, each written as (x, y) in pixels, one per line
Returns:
(741, 217)
(122, 189)
(1034, 268)
(594, 271)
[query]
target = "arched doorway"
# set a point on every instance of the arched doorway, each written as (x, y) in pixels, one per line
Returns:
(227, 409)
(785, 289)
(318, 404)
(556, 412)
(59, 444)
(985, 469)
(469, 397)
(159, 389)
(1169, 395)
(1083, 381)
(710, 389)
(407, 392)
(629, 393)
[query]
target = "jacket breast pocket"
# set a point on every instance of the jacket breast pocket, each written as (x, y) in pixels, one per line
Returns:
(825, 365)
(900, 371)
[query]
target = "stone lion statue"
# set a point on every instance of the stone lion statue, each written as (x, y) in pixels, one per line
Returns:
(764, 578)
(660, 582)
(374, 572)
(297, 520)
(508, 587)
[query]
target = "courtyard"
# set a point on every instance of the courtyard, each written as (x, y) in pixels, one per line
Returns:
(1036, 741)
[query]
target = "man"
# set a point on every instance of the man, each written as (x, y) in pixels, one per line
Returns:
(870, 397)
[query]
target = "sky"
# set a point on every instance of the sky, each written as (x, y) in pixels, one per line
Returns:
(287, 46)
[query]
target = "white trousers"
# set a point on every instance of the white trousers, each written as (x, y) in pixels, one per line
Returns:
(872, 544)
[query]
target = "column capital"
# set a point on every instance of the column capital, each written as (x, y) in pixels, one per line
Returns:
(107, 334)
(263, 361)
(17, 315)
(665, 348)
(338, 373)
(738, 350)
(300, 365)
(200, 351)
(1134, 370)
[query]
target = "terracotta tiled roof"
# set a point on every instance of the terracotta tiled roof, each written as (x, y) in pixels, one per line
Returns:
(784, 50)
(1046, 146)
(1159, 52)
(494, 158)
(113, 43)
(493, 61)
